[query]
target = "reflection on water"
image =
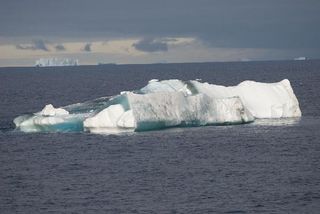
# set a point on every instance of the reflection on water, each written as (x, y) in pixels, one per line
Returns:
(277, 122)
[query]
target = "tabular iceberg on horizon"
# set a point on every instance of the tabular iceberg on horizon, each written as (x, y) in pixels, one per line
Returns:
(49, 62)
(168, 103)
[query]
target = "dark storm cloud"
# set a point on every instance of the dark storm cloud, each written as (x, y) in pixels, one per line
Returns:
(37, 45)
(60, 47)
(280, 24)
(150, 45)
(87, 47)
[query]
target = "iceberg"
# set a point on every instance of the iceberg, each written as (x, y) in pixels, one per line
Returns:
(48, 62)
(169, 103)
(301, 58)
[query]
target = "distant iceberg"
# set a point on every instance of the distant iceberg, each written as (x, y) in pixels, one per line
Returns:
(245, 60)
(301, 58)
(169, 103)
(47, 62)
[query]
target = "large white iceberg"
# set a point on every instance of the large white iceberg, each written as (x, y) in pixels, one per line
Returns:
(169, 103)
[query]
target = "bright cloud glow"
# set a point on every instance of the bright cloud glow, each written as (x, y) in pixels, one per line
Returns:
(122, 51)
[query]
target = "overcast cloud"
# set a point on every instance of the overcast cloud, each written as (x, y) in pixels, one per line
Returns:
(36, 45)
(151, 45)
(87, 47)
(60, 47)
(273, 24)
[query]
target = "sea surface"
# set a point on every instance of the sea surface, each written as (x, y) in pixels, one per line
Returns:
(269, 166)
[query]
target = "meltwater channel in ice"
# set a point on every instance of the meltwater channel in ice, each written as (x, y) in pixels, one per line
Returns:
(168, 103)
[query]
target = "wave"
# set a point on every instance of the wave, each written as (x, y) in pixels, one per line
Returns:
(168, 103)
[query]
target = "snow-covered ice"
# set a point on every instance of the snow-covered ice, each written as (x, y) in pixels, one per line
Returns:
(49, 110)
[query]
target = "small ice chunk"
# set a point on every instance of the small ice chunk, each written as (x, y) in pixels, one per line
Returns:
(153, 80)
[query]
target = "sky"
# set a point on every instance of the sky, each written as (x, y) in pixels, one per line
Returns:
(157, 31)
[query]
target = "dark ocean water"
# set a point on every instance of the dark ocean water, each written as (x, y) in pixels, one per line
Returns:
(270, 166)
